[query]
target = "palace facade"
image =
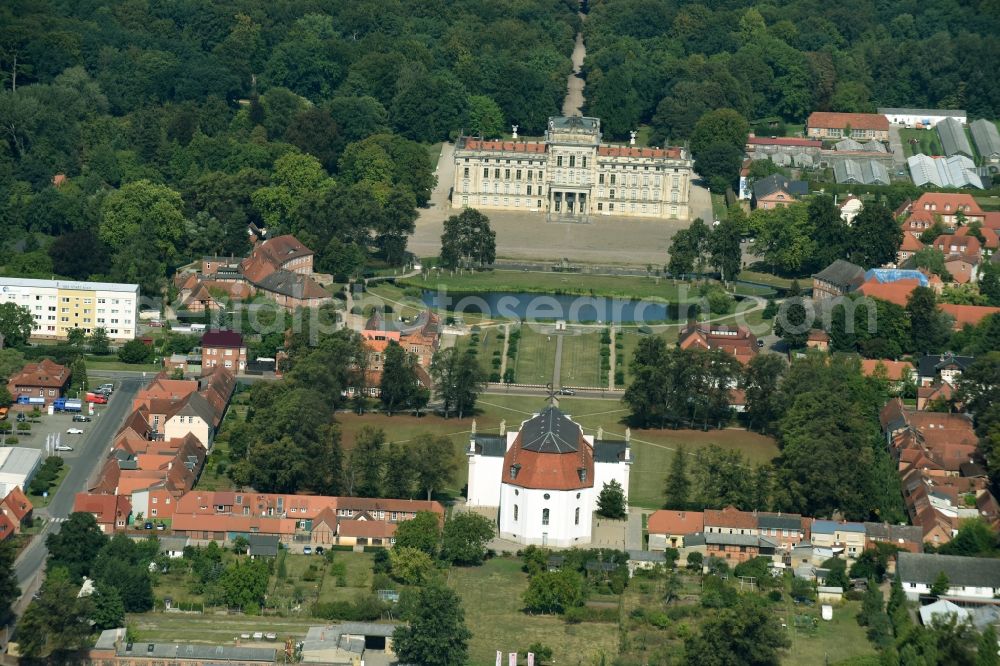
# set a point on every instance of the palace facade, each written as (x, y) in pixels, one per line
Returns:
(571, 173)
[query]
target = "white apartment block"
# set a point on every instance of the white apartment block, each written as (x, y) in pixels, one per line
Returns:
(59, 306)
(572, 174)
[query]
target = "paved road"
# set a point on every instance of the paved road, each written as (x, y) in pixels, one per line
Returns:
(144, 377)
(90, 452)
(700, 202)
(574, 82)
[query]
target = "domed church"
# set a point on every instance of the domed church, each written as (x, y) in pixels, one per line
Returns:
(545, 478)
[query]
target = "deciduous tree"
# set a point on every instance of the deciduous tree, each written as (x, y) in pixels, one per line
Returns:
(16, 324)
(468, 241)
(435, 633)
(465, 538)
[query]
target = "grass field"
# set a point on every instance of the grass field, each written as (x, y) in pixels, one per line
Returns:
(566, 283)
(94, 367)
(988, 203)
(536, 354)
(217, 629)
(651, 449)
(834, 641)
(719, 207)
(765, 278)
(929, 143)
(491, 597)
(581, 361)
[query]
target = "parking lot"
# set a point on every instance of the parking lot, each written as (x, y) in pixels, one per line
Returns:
(58, 423)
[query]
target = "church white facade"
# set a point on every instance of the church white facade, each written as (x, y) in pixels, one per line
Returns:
(572, 174)
(545, 478)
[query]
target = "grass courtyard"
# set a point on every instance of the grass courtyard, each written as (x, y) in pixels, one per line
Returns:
(536, 354)
(581, 361)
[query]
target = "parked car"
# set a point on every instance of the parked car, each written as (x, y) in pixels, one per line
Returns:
(97, 398)
(760, 344)
(63, 447)
(320, 550)
(21, 417)
(307, 551)
(161, 526)
(3, 413)
(565, 391)
(147, 526)
(80, 418)
(106, 387)
(74, 431)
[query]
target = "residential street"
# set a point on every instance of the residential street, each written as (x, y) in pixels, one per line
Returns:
(90, 452)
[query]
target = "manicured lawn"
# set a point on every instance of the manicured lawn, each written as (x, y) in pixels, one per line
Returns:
(490, 340)
(630, 340)
(567, 283)
(358, 577)
(653, 451)
(403, 305)
(719, 207)
(929, 143)
(491, 598)
(581, 361)
(38, 501)
(94, 366)
(765, 278)
(536, 354)
(833, 641)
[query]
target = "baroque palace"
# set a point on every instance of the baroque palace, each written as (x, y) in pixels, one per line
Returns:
(571, 174)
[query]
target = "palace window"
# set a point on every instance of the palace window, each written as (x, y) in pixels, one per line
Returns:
(466, 172)
(612, 179)
(673, 197)
(519, 174)
(529, 190)
(572, 161)
(676, 182)
(584, 162)
(600, 179)
(496, 173)
(506, 174)
(577, 519)
(559, 161)
(545, 516)
(611, 194)
(600, 206)
(515, 513)
(486, 173)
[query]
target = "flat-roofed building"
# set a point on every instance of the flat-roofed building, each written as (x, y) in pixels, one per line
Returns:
(922, 118)
(572, 173)
(59, 306)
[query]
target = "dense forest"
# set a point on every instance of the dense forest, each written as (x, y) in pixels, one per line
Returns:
(667, 63)
(176, 123)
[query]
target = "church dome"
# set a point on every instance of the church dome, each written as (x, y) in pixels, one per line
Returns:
(550, 453)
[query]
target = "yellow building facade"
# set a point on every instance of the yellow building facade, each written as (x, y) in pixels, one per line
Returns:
(59, 306)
